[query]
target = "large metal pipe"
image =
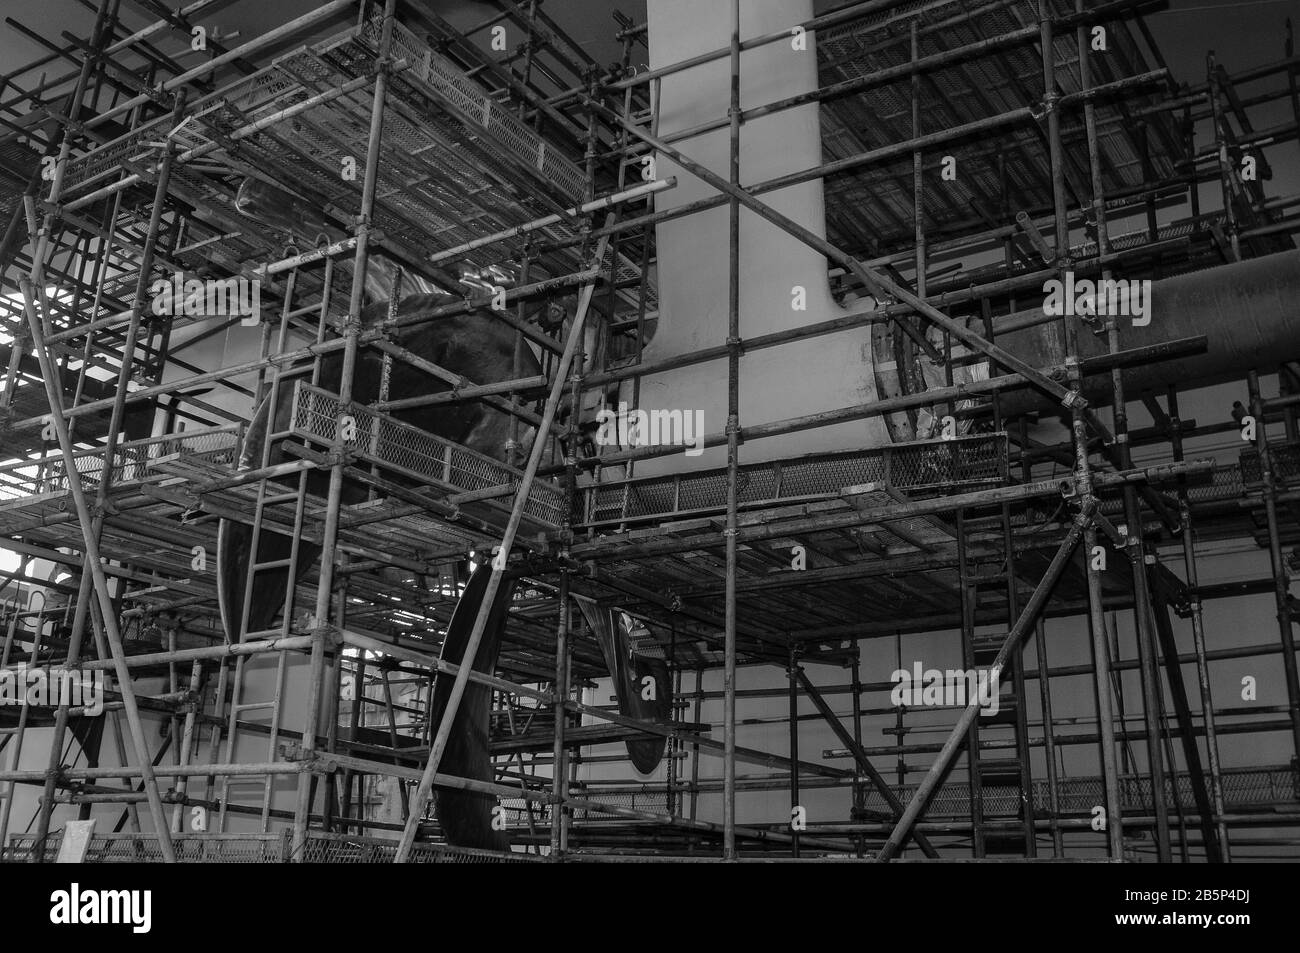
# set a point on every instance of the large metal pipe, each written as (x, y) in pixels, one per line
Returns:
(1246, 310)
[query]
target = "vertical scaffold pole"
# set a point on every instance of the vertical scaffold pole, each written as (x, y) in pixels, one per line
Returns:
(1221, 156)
(925, 790)
(1097, 621)
(80, 614)
(33, 289)
(1198, 631)
(793, 677)
(94, 564)
(733, 455)
(559, 761)
(1281, 580)
(439, 745)
(351, 330)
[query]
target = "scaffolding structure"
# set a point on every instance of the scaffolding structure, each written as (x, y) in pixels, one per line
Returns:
(126, 169)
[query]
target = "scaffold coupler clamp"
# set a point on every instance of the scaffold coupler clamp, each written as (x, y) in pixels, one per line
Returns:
(329, 633)
(344, 456)
(73, 128)
(159, 95)
(148, 172)
(190, 703)
(733, 427)
(1074, 400)
(1046, 107)
(54, 213)
(294, 751)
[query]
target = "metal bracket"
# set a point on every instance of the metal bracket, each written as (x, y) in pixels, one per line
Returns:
(1073, 400)
(1046, 107)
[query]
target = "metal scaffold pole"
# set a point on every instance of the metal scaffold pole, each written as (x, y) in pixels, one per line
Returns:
(34, 299)
(1198, 633)
(351, 330)
(1097, 622)
(108, 470)
(733, 452)
(81, 612)
(916, 806)
(479, 170)
(1277, 563)
(100, 581)
(522, 491)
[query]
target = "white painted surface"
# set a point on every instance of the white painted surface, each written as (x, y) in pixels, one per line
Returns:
(793, 379)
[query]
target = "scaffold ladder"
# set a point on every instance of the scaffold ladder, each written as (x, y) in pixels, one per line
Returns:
(269, 495)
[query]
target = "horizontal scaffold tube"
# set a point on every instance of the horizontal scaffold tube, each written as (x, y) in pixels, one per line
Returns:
(1064, 486)
(378, 333)
(292, 643)
(922, 66)
(886, 405)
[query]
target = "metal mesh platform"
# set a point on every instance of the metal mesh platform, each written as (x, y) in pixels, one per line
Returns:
(255, 849)
(1286, 464)
(470, 103)
(39, 489)
(879, 199)
(416, 453)
(979, 460)
(1242, 787)
(133, 848)
(456, 163)
(347, 849)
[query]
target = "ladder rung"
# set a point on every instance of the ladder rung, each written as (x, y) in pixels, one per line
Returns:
(253, 706)
(272, 564)
(1007, 770)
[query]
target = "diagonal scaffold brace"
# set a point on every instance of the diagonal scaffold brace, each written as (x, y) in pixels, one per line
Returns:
(916, 807)
(425, 788)
(881, 285)
(95, 565)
